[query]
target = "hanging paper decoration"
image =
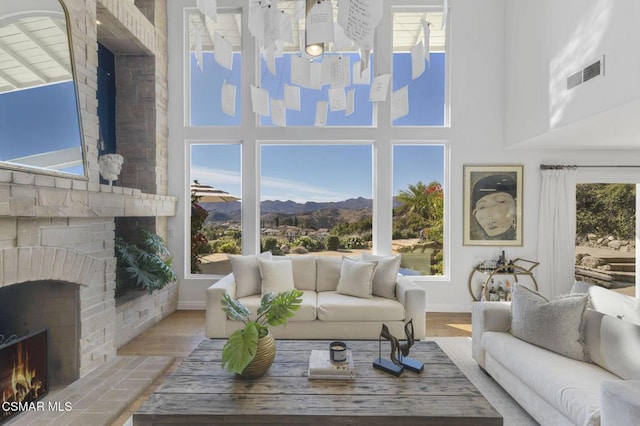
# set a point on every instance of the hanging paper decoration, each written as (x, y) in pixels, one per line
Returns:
(319, 23)
(417, 60)
(379, 88)
(197, 40)
(259, 100)
(337, 99)
(400, 103)
(426, 29)
(209, 8)
(359, 19)
(228, 99)
(223, 51)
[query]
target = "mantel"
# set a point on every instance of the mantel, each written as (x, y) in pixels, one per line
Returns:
(55, 197)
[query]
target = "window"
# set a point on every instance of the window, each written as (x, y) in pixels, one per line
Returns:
(330, 189)
(324, 205)
(426, 91)
(606, 235)
(215, 90)
(418, 208)
(216, 226)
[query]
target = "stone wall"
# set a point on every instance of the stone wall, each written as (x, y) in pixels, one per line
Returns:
(61, 229)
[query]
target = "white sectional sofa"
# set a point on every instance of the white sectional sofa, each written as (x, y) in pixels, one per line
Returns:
(325, 313)
(556, 389)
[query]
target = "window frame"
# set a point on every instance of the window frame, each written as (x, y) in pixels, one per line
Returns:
(382, 136)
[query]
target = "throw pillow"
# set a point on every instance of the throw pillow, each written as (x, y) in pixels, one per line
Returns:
(384, 279)
(356, 278)
(247, 273)
(277, 275)
(556, 325)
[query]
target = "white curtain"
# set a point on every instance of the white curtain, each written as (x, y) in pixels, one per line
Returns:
(556, 231)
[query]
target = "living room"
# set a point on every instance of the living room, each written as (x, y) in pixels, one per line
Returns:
(506, 104)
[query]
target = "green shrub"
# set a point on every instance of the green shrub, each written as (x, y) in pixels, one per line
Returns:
(333, 243)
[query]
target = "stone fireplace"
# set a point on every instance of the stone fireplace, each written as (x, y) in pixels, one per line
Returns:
(57, 234)
(57, 265)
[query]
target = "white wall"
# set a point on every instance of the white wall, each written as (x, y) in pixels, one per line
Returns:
(549, 40)
(476, 136)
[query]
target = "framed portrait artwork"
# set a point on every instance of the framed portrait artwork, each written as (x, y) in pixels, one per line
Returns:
(492, 205)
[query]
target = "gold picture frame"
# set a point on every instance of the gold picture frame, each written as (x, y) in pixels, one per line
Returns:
(493, 205)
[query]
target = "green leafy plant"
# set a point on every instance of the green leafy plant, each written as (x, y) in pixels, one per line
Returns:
(147, 264)
(274, 310)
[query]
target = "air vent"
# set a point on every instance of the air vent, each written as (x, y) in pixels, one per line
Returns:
(590, 71)
(574, 80)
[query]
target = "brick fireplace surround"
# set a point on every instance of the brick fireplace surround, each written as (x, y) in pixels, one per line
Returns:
(57, 264)
(57, 269)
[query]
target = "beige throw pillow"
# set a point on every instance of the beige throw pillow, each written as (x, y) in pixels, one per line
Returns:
(356, 278)
(277, 275)
(556, 325)
(384, 280)
(247, 273)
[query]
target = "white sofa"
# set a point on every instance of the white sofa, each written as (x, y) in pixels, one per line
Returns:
(556, 389)
(325, 313)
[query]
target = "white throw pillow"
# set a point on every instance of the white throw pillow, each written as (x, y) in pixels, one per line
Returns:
(247, 273)
(556, 325)
(384, 280)
(277, 275)
(356, 278)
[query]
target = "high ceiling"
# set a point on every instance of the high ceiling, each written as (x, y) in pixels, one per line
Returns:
(34, 51)
(407, 28)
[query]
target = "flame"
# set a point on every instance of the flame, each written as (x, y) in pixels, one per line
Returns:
(25, 384)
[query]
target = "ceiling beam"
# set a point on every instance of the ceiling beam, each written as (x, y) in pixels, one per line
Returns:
(47, 51)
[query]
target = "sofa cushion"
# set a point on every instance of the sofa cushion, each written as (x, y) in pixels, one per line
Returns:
(555, 324)
(247, 273)
(571, 386)
(304, 272)
(613, 344)
(277, 275)
(307, 311)
(333, 306)
(615, 304)
(328, 269)
(356, 278)
(384, 279)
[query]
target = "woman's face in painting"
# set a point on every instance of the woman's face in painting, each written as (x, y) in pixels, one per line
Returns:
(495, 212)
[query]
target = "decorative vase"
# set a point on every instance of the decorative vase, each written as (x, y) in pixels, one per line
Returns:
(265, 354)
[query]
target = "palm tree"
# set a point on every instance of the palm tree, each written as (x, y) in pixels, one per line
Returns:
(422, 206)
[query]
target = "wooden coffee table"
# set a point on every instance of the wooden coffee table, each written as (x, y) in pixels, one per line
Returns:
(199, 391)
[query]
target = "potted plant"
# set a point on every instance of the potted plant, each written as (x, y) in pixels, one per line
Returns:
(146, 265)
(250, 351)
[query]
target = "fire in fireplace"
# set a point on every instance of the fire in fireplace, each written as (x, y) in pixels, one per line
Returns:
(23, 373)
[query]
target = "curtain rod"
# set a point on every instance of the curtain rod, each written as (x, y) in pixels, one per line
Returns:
(561, 167)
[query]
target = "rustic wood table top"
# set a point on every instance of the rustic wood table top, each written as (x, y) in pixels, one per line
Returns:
(199, 391)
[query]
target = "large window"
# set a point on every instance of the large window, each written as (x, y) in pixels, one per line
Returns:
(356, 180)
(216, 91)
(316, 198)
(422, 81)
(418, 213)
(216, 225)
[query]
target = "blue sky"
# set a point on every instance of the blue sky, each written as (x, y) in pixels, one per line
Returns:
(315, 172)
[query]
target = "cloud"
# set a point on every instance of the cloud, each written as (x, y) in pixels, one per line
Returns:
(215, 177)
(284, 189)
(272, 188)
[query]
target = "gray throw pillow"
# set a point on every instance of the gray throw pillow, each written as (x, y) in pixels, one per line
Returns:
(556, 325)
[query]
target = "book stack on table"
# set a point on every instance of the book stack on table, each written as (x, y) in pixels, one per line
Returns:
(321, 367)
